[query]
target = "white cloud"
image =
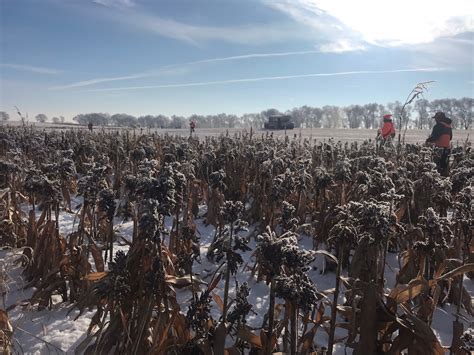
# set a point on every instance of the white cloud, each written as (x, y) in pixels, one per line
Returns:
(245, 34)
(442, 52)
(31, 69)
(385, 23)
(284, 77)
(340, 46)
(248, 34)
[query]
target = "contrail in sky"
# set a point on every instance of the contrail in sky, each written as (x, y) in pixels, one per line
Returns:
(169, 68)
(266, 78)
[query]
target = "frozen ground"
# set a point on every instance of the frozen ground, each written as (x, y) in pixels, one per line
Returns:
(318, 134)
(57, 331)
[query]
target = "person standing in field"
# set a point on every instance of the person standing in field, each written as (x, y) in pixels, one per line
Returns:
(441, 137)
(192, 126)
(388, 129)
(387, 132)
(90, 126)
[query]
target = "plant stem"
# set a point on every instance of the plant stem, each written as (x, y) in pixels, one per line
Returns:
(332, 327)
(294, 330)
(271, 315)
(227, 278)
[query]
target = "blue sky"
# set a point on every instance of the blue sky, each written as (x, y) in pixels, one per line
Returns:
(63, 57)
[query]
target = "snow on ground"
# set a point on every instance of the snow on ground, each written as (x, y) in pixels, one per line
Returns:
(320, 134)
(57, 330)
(39, 332)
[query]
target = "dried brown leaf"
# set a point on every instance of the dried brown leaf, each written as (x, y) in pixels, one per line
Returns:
(97, 256)
(218, 301)
(245, 334)
(458, 271)
(403, 293)
(95, 276)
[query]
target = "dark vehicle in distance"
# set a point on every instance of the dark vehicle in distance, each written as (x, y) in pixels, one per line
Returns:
(279, 122)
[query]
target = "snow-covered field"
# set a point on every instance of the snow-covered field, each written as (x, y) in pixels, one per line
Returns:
(61, 329)
(319, 134)
(57, 331)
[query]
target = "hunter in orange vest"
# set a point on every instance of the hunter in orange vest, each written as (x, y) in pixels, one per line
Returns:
(441, 138)
(442, 133)
(388, 129)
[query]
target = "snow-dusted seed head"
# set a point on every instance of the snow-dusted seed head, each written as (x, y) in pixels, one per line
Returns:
(242, 306)
(232, 211)
(216, 180)
(467, 341)
(298, 288)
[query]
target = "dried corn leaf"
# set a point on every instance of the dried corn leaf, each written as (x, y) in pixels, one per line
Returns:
(97, 256)
(6, 331)
(403, 293)
(401, 212)
(245, 334)
(307, 339)
(95, 276)
(218, 301)
(458, 271)
(423, 331)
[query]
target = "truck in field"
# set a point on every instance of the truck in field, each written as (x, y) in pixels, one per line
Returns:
(279, 122)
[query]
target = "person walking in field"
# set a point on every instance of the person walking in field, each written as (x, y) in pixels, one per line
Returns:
(192, 126)
(441, 137)
(387, 132)
(388, 129)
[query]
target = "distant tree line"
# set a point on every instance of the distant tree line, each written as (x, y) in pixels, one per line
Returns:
(353, 116)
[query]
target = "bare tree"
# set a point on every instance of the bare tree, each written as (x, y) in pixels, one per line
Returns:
(97, 119)
(178, 122)
(463, 109)
(270, 112)
(371, 112)
(308, 116)
(401, 113)
(332, 116)
(446, 106)
(315, 116)
(146, 121)
(124, 120)
(4, 116)
(354, 114)
(42, 118)
(252, 120)
(231, 121)
(421, 108)
(298, 115)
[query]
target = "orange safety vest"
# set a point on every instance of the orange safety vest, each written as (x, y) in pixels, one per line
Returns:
(444, 140)
(388, 129)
